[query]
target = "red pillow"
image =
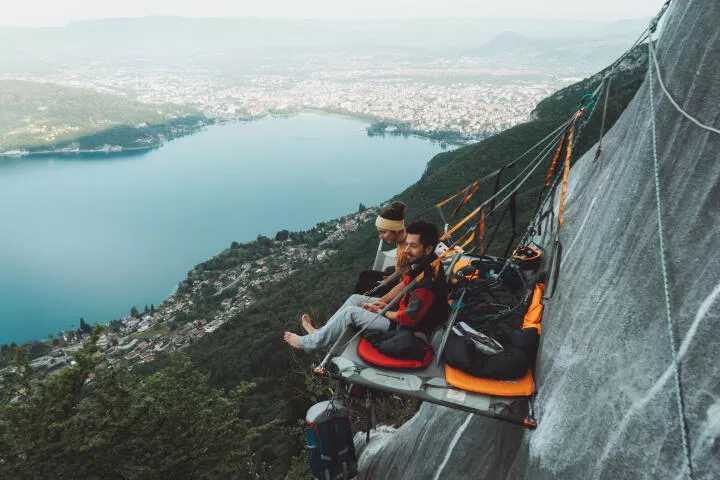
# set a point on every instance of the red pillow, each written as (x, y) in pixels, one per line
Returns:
(371, 355)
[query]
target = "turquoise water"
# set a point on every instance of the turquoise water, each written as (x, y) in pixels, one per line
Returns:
(91, 236)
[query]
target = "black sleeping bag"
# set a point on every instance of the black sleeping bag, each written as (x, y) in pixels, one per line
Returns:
(520, 348)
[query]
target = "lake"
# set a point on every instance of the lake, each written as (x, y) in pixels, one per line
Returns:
(92, 235)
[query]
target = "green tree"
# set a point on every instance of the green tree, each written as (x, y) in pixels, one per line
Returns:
(84, 326)
(167, 425)
(134, 312)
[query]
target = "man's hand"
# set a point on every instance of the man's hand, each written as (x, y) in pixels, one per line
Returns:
(375, 306)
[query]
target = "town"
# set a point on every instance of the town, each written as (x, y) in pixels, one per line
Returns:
(469, 100)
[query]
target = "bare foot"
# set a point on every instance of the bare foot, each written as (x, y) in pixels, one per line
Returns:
(306, 323)
(292, 339)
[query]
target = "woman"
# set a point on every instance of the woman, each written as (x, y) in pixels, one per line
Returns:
(391, 229)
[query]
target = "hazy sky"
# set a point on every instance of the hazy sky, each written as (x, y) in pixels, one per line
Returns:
(60, 12)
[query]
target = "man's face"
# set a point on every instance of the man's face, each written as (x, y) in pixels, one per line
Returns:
(415, 250)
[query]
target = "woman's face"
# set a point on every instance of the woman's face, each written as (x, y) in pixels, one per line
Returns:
(387, 235)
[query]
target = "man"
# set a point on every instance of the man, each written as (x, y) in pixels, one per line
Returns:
(423, 308)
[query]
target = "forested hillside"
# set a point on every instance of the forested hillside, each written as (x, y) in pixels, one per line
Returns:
(37, 116)
(249, 348)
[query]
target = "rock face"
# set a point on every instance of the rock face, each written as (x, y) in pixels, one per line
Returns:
(607, 403)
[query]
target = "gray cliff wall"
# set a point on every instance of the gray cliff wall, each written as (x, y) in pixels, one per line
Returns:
(607, 402)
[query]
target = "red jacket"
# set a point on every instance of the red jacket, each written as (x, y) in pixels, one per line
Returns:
(414, 304)
(425, 306)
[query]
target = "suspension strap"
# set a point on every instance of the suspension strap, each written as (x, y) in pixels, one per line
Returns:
(566, 172)
(481, 232)
(559, 149)
(468, 195)
(461, 223)
(497, 185)
(512, 205)
(445, 222)
(369, 413)
(602, 123)
(491, 237)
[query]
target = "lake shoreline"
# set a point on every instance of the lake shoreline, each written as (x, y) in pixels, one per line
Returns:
(109, 150)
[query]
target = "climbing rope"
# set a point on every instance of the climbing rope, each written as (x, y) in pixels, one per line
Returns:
(666, 286)
(667, 94)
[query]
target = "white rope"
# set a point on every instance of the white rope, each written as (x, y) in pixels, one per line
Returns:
(672, 100)
(532, 165)
(558, 129)
(538, 162)
(666, 286)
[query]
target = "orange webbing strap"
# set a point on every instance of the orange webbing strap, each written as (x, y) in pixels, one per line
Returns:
(450, 198)
(475, 187)
(568, 153)
(462, 222)
(481, 240)
(533, 316)
(551, 172)
(466, 241)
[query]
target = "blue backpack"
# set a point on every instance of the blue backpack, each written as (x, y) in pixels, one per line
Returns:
(331, 452)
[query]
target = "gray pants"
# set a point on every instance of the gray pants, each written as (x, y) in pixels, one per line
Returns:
(349, 314)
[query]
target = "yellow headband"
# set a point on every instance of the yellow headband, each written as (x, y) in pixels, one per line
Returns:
(392, 225)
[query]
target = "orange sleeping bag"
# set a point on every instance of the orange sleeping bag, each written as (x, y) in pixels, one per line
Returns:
(534, 313)
(501, 388)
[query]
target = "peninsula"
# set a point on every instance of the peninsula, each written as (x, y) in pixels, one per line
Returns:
(44, 118)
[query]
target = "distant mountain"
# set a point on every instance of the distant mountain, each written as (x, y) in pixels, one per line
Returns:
(625, 27)
(586, 52)
(175, 36)
(509, 41)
